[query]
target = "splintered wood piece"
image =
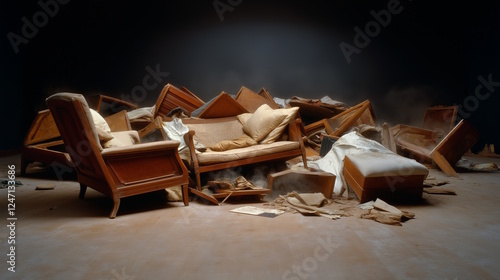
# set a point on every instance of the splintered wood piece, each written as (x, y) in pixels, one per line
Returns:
(251, 100)
(204, 196)
(359, 114)
(440, 119)
(451, 149)
(222, 106)
(172, 97)
(445, 166)
(387, 139)
(42, 129)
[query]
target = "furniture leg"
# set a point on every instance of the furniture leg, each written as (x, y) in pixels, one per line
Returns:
(185, 195)
(116, 204)
(83, 189)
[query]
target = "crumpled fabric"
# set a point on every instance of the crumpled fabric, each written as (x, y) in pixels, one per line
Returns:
(175, 130)
(141, 113)
(349, 144)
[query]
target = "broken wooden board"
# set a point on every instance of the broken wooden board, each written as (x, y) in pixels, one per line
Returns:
(222, 106)
(172, 97)
(265, 93)
(284, 182)
(440, 119)
(311, 111)
(43, 143)
(251, 101)
(451, 149)
(414, 142)
(359, 114)
(387, 139)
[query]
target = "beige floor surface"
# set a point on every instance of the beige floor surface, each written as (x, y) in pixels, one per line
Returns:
(59, 236)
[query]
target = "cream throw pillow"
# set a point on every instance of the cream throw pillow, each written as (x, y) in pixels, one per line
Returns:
(122, 139)
(289, 113)
(263, 121)
(240, 142)
(102, 127)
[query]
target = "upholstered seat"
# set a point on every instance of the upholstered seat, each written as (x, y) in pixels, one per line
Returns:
(124, 170)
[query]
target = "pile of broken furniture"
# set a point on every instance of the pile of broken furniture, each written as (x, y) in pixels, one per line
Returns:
(252, 128)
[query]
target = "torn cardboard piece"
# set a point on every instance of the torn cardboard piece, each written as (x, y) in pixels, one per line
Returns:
(439, 190)
(258, 211)
(301, 181)
(306, 204)
(480, 167)
(384, 213)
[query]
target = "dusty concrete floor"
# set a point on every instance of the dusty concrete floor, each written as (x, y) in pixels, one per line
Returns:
(59, 236)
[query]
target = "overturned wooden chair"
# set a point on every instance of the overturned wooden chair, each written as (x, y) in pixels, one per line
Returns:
(117, 171)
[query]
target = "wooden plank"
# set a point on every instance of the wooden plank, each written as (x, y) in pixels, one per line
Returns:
(251, 100)
(42, 128)
(359, 114)
(440, 119)
(172, 97)
(222, 106)
(443, 164)
(387, 139)
(451, 149)
(283, 182)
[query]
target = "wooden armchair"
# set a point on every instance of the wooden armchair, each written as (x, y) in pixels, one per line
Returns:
(120, 171)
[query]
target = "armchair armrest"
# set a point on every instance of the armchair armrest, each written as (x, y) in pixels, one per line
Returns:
(294, 130)
(147, 165)
(140, 148)
(114, 101)
(189, 139)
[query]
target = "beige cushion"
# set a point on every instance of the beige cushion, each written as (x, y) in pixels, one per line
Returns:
(289, 113)
(211, 157)
(122, 139)
(263, 121)
(102, 127)
(240, 142)
(375, 164)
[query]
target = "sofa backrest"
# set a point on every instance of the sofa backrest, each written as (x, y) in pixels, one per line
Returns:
(211, 131)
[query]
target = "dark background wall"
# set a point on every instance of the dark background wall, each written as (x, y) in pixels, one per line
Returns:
(426, 54)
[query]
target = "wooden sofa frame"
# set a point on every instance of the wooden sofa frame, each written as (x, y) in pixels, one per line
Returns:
(294, 134)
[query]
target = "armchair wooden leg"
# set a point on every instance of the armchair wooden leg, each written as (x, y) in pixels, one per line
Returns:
(116, 204)
(198, 181)
(83, 189)
(185, 195)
